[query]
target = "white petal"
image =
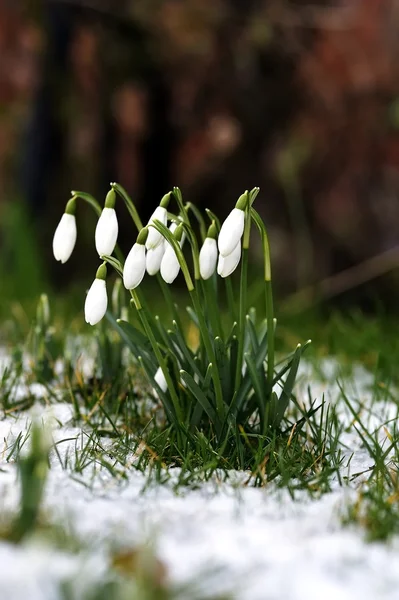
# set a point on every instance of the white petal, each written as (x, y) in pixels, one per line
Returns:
(96, 302)
(154, 237)
(227, 264)
(154, 258)
(64, 238)
(134, 269)
(208, 258)
(170, 266)
(231, 231)
(106, 232)
(159, 377)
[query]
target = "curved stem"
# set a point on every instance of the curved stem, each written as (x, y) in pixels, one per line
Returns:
(269, 296)
(243, 298)
(129, 204)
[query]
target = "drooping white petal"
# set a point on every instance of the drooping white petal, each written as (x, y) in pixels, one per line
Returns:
(154, 237)
(96, 302)
(64, 238)
(159, 377)
(170, 266)
(154, 258)
(134, 269)
(208, 258)
(106, 232)
(231, 231)
(228, 264)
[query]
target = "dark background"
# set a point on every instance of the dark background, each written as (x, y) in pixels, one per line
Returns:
(216, 96)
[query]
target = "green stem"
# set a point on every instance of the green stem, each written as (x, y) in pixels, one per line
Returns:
(269, 297)
(230, 298)
(199, 218)
(158, 355)
(242, 309)
(241, 316)
(90, 200)
(129, 205)
(210, 352)
(210, 296)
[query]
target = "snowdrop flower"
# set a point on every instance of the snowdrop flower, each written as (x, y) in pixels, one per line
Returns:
(233, 227)
(228, 264)
(134, 269)
(160, 213)
(209, 254)
(154, 258)
(107, 227)
(159, 377)
(96, 300)
(64, 239)
(170, 265)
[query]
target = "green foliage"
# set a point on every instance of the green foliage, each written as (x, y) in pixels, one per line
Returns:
(216, 379)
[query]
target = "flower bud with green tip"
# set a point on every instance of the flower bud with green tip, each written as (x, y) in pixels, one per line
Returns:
(228, 264)
(134, 269)
(233, 227)
(170, 265)
(161, 214)
(107, 227)
(209, 254)
(96, 300)
(65, 235)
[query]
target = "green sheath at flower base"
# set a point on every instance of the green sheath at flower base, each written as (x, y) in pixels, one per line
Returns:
(70, 208)
(110, 199)
(142, 236)
(165, 200)
(102, 271)
(242, 201)
(212, 231)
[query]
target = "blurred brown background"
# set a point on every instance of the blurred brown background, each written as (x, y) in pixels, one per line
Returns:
(215, 96)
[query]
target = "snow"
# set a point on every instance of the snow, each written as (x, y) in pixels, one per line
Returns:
(258, 544)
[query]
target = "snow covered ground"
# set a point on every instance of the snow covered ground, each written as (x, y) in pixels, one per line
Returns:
(257, 544)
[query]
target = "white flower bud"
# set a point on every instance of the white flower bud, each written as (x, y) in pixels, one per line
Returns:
(154, 258)
(106, 232)
(170, 265)
(64, 237)
(228, 264)
(96, 302)
(154, 237)
(134, 269)
(231, 231)
(208, 258)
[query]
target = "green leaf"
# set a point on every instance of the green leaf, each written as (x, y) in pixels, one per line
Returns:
(200, 397)
(223, 365)
(289, 383)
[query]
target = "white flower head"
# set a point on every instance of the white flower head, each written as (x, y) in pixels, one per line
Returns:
(65, 235)
(134, 269)
(154, 258)
(170, 265)
(233, 227)
(160, 214)
(209, 254)
(107, 227)
(96, 300)
(228, 264)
